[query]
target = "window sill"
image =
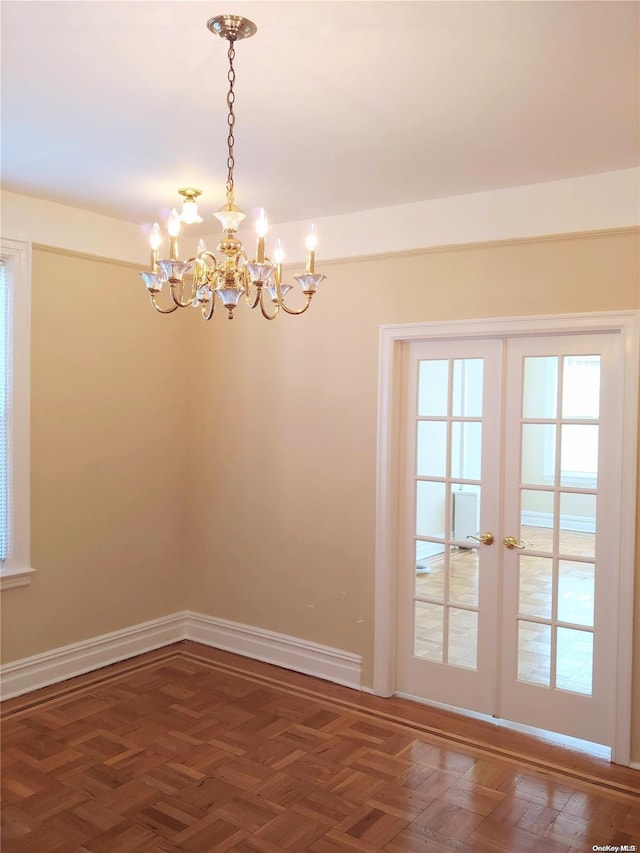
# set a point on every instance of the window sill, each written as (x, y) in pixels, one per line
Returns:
(12, 578)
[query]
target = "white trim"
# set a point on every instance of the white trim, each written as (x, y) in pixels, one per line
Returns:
(577, 523)
(392, 337)
(293, 653)
(608, 200)
(542, 324)
(588, 203)
(17, 569)
(596, 749)
(386, 535)
(10, 579)
(621, 748)
(280, 649)
(59, 664)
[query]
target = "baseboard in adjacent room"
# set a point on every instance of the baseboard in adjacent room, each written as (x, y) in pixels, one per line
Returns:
(577, 523)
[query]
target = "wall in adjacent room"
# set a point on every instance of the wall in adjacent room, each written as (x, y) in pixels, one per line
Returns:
(109, 432)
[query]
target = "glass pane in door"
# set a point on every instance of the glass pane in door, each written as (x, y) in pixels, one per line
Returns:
(577, 524)
(581, 386)
(466, 450)
(538, 454)
(536, 519)
(465, 511)
(540, 387)
(534, 652)
(467, 387)
(579, 455)
(535, 588)
(576, 590)
(464, 575)
(430, 508)
(428, 630)
(463, 638)
(431, 569)
(431, 449)
(574, 660)
(433, 388)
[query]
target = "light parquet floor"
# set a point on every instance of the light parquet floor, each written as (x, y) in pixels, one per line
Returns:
(193, 749)
(574, 661)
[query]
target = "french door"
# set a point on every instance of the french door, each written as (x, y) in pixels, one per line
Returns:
(509, 561)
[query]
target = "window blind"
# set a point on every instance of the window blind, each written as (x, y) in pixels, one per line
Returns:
(5, 424)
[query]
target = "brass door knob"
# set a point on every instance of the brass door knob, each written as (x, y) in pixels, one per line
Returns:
(511, 542)
(484, 538)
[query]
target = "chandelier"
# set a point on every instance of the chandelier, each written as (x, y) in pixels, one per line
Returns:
(198, 281)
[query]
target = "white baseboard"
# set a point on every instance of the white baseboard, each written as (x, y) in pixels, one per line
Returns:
(578, 523)
(280, 649)
(597, 750)
(56, 665)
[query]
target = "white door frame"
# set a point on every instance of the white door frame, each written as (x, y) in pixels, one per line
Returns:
(392, 339)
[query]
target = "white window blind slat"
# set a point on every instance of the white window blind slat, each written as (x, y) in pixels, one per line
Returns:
(5, 414)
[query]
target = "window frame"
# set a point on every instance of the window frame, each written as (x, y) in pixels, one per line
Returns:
(16, 570)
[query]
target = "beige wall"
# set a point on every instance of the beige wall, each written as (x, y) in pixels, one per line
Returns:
(285, 504)
(269, 519)
(108, 460)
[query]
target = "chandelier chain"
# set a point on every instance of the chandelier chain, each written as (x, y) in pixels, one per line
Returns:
(231, 120)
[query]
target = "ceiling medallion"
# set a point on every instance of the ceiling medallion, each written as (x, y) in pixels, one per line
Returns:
(198, 281)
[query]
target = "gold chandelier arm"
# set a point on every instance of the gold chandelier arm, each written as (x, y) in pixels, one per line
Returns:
(294, 311)
(207, 312)
(179, 303)
(248, 284)
(159, 309)
(210, 266)
(257, 298)
(203, 273)
(263, 310)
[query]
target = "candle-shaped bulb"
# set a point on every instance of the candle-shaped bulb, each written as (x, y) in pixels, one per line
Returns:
(155, 238)
(262, 225)
(173, 225)
(202, 247)
(312, 242)
(261, 230)
(312, 238)
(278, 252)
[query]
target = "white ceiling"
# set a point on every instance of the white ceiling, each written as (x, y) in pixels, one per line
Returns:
(341, 106)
